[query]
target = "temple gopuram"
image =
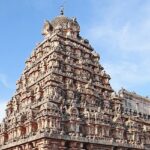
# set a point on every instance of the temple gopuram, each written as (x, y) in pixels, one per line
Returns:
(64, 101)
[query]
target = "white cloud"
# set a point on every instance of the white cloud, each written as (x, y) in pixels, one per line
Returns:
(3, 81)
(2, 109)
(122, 30)
(128, 37)
(124, 25)
(135, 38)
(127, 74)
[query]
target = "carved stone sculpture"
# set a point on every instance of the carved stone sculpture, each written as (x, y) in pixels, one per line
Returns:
(64, 99)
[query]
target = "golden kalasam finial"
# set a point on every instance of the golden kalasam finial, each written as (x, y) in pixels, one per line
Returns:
(62, 10)
(62, 7)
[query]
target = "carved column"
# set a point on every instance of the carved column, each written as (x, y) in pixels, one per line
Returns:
(44, 145)
(62, 145)
(73, 146)
(90, 147)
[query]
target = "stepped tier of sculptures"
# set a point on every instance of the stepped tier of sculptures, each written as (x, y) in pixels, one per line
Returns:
(64, 101)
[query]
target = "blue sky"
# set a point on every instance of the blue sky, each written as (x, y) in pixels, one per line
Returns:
(119, 30)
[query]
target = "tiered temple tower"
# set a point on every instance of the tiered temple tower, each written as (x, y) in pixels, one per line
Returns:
(64, 101)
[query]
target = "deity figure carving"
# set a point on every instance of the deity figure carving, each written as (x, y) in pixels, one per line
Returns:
(78, 53)
(30, 114)
(105, 94)
(89, 85)
(96, 70)
(69, 83)
(68, 68)
(39, 53)
(28, 63)
(97, 78)
(80, 61)
(105, 81)
(103, 73)
(86, 75)
(3, 126)
(70, 94)
(33, 56)
(79, 88)
(15, 105)
(74, 120)
(38, 92)
(9, 109)
(43, 67)
(55, 64)
(68, 60)
(14, 122)
(90, 99)
(24, 80)
(57, 97)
